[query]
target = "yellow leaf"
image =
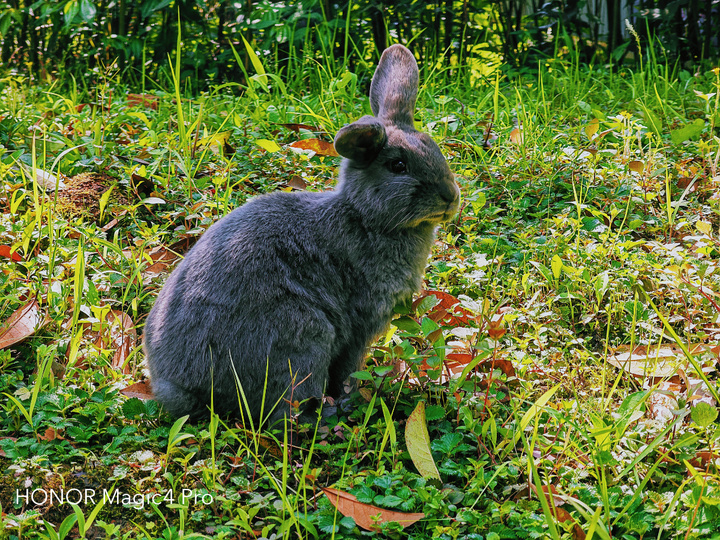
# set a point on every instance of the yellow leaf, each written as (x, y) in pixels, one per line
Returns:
(592, 128)
(704, 227)
(417, 439)
(267, 144)
(557, 266)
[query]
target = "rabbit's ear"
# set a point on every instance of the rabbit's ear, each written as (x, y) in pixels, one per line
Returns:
(362, 140)
(394, 86)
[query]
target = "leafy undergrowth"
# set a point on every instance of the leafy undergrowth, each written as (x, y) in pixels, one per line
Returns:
(565, 348)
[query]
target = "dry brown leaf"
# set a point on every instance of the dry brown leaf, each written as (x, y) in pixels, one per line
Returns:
(561, 515)
(140, 390)
(297, 127)
(50, 434)
(123, 337)
(658, 362)
(114, 221)
(163, 258)
(297, 182)
(23, 323)
(320, 147)
(363, 513)
(148, 101)
(636, 166)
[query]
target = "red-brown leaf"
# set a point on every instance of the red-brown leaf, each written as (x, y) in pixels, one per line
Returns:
(140, 390)
(448, 311)
(148, 101)
(363, 514)
(5, 252)
(21, 324)
(297, 127)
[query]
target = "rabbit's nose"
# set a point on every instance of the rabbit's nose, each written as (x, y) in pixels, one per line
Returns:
(449, 190)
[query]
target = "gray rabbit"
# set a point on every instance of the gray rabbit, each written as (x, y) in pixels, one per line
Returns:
(288, 290)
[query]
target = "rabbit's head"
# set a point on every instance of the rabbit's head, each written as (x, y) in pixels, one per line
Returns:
(395, 176)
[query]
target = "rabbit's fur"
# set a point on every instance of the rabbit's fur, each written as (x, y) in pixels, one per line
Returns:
(305, 281)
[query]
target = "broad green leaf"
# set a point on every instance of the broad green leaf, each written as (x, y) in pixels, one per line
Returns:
(407, 324)
(544, 270)
(602, 281)
(362, 375)
(87, 10)
(703, 414)
(427, 303)
(688, 131)
(428, 326)
(479, 202)
(633, 402)
(417, 439)
(72, 8)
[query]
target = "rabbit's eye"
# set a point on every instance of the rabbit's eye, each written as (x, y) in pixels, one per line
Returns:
(398, 166)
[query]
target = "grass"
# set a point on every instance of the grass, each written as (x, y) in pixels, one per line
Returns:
(589, 228)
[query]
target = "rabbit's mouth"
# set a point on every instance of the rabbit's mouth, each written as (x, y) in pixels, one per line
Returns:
(441, 216)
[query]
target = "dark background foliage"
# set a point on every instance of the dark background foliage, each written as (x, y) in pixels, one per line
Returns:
(84, 37)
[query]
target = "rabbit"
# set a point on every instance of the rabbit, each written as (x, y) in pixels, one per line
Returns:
(278, 301)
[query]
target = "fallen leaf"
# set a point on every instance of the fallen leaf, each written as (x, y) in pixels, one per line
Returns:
(636, 166)
(297, 182)
(417, 440)
(363, 513)
(504, 365)
(561, 515)
(122, 336)
(660, 362)
(140, 390)
(113, 222)
(149, 101)
(141, 184)
(299, 127)
(163, 258)
(23, 323)
(5, 251)
(320, 147)
(48, 181)
(516, 136)
(50, 434)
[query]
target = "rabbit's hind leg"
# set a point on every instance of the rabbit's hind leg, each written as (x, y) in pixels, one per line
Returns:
(179, 401)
